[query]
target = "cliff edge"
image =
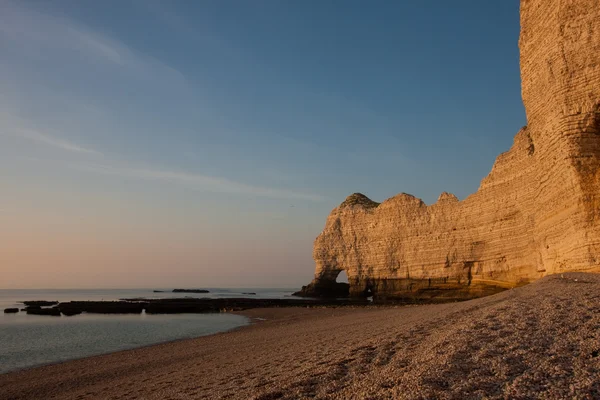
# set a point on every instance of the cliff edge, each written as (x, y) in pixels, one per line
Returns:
(536, 213)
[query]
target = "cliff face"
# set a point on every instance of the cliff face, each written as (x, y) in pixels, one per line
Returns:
(536, 213)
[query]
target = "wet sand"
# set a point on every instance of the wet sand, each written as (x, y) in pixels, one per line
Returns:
(537, 341)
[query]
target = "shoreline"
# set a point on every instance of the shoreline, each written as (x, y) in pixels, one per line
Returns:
(51, 363)
(537, 341)
(253, 316)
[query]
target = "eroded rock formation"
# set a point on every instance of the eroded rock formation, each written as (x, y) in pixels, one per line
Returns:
(536, 213)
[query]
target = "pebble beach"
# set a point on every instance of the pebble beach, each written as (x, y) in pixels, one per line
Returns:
(538, 341)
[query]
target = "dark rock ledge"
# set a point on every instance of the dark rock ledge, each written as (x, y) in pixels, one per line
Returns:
(39, 303)
(181, 305)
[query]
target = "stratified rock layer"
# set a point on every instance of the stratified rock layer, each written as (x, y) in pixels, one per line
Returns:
(536, 213)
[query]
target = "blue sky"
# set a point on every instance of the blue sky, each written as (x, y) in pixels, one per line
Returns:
(204, 142)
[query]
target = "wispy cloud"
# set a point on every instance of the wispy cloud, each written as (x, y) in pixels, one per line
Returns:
(101, 47)
(194, 30)
(199, 181)
(12, 125)
(42, 33)
(40, 137)
(27, 25)
(62, 45)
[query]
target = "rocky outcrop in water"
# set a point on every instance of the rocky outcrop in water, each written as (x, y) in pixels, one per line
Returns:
(192, 305)
(11, 310)
(181, 305)
(53, 311)
(536, 213)
(39, 303)
(100, 307)
(190, 291)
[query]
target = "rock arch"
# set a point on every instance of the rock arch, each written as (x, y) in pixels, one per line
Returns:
(536, 213)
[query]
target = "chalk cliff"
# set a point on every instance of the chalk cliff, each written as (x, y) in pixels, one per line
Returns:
(536, 213)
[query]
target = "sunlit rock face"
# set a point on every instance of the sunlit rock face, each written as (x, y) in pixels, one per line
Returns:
(536, 213)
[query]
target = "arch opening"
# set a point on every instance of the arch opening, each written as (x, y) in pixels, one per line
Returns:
(335, 284)
(342, 277)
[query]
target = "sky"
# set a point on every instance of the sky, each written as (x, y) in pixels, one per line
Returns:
(148, 143)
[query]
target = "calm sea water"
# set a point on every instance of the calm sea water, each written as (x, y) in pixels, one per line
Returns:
(32, 340)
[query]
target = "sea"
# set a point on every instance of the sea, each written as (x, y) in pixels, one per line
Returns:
(33, 340)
